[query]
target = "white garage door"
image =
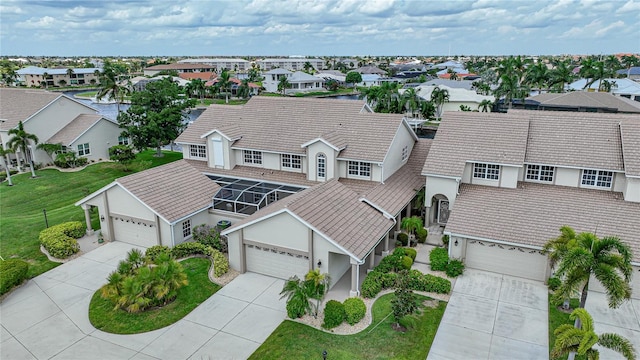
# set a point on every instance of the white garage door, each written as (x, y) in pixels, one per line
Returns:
(635, 283)
(281, 264)
(504, 259)
(133, 233)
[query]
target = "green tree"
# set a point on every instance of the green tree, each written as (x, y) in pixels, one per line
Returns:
(283, 84)
(581, 340)
(244, 91)
(318, 284)
(485, 105)
(110, 86)
(224, 84)
(427, 110)
(629, 61)
(21, 140)
(537, 76)
(5, 164)
(157, 115)
(122, 154)
(308, 68)
(50, 149)
(481, 87)
(404, 302)
(561, 75)
(438, 98)
(411, 224)
(353, 78)
(298, 293)
(411, 101)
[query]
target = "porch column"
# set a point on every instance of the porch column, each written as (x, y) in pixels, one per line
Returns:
(409, 210)
(398, 222)
(385, 252)
(355, 274)
(87, 218)
(372, 260)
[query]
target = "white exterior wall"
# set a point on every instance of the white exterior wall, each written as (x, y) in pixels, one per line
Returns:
(99, 202)
(393, 160)
(122, 203)
(271, 161)
(445, 186)
(331, 163)
(567, 177)
(632, 192)
(165, 234)
(100, 138)
(235, 250)
(619, 182)
(281, 230)
(218, 215)
(509, 176)
(197, 219)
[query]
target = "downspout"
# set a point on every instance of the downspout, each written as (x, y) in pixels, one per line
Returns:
(173, 236)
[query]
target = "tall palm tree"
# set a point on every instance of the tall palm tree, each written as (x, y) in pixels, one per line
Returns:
(485, 105)
(538, 76)
(5, 164)
(45, 75)
(439, 97)
(70, 74)
(561, 75)
(411, 101)
(581, 340)
(308, 68)
(283, 84)
(224, 83)
(629, 61)
(110, 87)
(22, 140)
(244, 90)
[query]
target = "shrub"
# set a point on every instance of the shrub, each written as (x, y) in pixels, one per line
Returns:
(334, 314)
(69, 160)
(390, 263)
(12, 273)
(295, 309)
(355, 310)
(439, 258)
(74, 229)
(60, 240)
(153, 252)
(210, 235)
(403, 238)
(421, 235)
(220, 263)
(412, 253)
(400, 251)
(191, 248)
(372, 284)
(445, 240)
(406, 262)
(454, 268)
(389, 280)
(436, 284)
(554, 283)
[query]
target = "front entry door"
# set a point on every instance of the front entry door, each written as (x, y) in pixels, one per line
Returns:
(443, 211)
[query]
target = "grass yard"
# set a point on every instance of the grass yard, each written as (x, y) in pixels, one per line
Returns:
(292, 340)
(557, 318)
(103, 316)
(207, 102)
(21, 205)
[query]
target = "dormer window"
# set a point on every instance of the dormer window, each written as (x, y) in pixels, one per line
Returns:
(597, 178)
(321, 165)
(291, 161)
(198, 151)
(252, 157)
(358, 168)
(540, 173)
(486, 171)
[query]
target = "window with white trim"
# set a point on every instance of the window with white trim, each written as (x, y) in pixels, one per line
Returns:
(359, 168)
(123, 140)
(541, 173)
(405, 152)
(83, 149)
(252, 157)
(198, 151)
(597, 178)
(186, 228)
(321, 165)
(486, 171)
(291, 161)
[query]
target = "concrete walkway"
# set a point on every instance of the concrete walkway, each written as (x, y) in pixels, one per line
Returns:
(47, 318)
(493, 316)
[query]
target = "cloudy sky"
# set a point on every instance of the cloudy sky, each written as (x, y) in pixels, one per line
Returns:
(317, 27)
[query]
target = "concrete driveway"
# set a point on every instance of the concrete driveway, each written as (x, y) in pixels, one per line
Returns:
(47, 318)
(493, 316)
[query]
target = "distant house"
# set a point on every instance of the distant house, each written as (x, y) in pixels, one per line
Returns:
(582, 101)
(457, 97)
(369, 80)
(254, 88)
(298, 81)
(619, 87)
(33, 76)
(632, 73)
(370, 69)
(220, 64)
(204, 76)
(178, 68)
(291, 64)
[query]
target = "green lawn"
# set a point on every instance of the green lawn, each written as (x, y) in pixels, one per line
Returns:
(21, 205)
(87, 94)
(557, 318)
(292, 340)
(207, 102)
(103, 316)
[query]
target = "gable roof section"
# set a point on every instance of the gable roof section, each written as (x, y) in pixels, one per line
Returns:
(630, 138)
(546, 208)
(476, 137)
(78, 126)
(173, 191)
(335, 212)
(212, 119)
(19, 105)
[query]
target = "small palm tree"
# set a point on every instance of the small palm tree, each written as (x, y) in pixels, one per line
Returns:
(297, 293)
(581, 340)
(319, 284)
(411, 224)
(439, 97)
(5, 163)
(22, 140)
(283, 84)
(485, 105)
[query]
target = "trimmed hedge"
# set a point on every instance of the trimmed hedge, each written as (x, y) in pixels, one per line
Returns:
(411, 252)
(377, 281)
(191, 248)
(372, 284)
(60, 240)
(220, 263)
(334, 314)
(354, 309)
(421, 235)
(439, 258)
(210, 235)
(406, 262)
(12, 273)
(403, 238)
(153, 252)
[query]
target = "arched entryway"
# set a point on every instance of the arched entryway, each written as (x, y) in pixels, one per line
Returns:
(439, 209)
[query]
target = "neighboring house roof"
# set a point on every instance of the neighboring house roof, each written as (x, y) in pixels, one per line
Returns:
(584, 99)
(370, 77)
(630, 138)
(621, 86)
(455, 94)
(78, 126)
(546, 209)
(326, 75)
(204, 75)
(458, 84)
(336, 212)
(634, 70)
(370, 70)
(177, 66)
(278, 71)
(296, 121)
(35, 70)
(476, 137)
(211, 60)
(302, 76)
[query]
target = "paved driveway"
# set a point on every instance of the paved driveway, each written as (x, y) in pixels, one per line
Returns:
(47, 318)
(493, 316)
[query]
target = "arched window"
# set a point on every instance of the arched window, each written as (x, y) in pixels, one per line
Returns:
(321, 166)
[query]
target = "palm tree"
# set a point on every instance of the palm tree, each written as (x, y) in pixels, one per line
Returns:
(110, 87)
(5, 163)
(439, 97)
(630, 61)
(538, 76)
(411, 225)
(411, 101)
(70, 74)
(485, 105)
(297, 293)
(22, 140)
(283, 84)
(45, 75)
(244, 90)
(308, 68)
(561, 75)
(319, 285)
(581, 340)
(224, 83)
(427, 110)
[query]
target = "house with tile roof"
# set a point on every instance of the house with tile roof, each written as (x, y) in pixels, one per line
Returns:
(35, 76)
(502, 185)
(57, 119)
(457, 97)
(298, 81)
(581, 101)
(304, 183)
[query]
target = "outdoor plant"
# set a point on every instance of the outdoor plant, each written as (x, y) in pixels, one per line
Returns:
(454, 268)
(412, 224)
(297, 293)
(439, 258)
(153, 252)
(60, 240)
(372, 284)
(220, 263)
(391, 262)
(69, 160)
(376, 281)
(421, 235)
(445, 240)
(210, 235)
(403, 238)
(191, 248)
(554, 283)
(355, 310)
(404, 302)
(123, 155)
(334, 314)
(12, 273)
(318, 284)
(412, 253)
(406, 262)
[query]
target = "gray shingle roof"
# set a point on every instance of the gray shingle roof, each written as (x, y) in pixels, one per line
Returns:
(533, 213)
(174, 190)
(630, 131)
(75, 128)
(18, 105)
(282, 124)
(476, 137)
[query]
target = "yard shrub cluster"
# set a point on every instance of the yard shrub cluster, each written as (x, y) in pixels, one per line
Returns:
(191, 248)
(220, 261)
(12, 273)
(69, 160)
(439, 258)
(554, 283)
(60, 240)
(210, 235)
(421, 235)
(354, 309)
(334, 314)
(403, 239)
(153, 252)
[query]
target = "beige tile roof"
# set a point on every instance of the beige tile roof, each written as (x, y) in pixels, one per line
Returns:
(18, 105)
(533, 213)
(253, 173)
(590, 140)
(295, 121)
(588, 100)
(476, 137)
(335, 211)
(630, 131)
(174, 190)
(75, 128)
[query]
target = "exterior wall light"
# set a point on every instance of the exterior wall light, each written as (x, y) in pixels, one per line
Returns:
(319, 263)
(102, 218)
(456, 242)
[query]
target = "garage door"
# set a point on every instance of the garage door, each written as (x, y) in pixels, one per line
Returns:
(635, 283)
(281, 264)
(134, 233)
(504, 259)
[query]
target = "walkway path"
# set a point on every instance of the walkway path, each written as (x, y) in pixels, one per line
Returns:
(47, 318)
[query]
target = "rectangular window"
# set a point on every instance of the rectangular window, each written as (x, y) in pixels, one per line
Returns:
(597, 178)
(359, 168)
(83, 149)
(198, 151)
(486, 171)
(405, 152)
(541, 173)
(186, 228)
(291, 161)
(123, 140)
(252, 157)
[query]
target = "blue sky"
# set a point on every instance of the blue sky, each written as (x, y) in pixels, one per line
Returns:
(317, 27)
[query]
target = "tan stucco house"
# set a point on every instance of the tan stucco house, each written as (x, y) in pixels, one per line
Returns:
(502, 185)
